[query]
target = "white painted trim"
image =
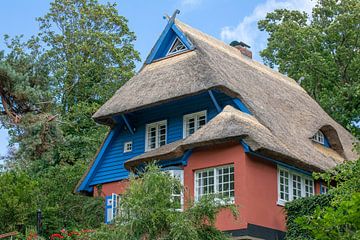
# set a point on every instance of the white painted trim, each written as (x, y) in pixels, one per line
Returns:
(319, 137)
(172, 45)
(125, 146)
(155, 124)
(196, 115)
(282, 202)
(216, 190)
(173, 174)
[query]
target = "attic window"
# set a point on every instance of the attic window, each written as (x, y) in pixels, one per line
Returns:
(319, 137)
(177, 47)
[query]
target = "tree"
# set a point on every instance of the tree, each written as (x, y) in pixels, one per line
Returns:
(335, 215)
(18, 193)
(323, 51)
(50, 85)
(149, 212)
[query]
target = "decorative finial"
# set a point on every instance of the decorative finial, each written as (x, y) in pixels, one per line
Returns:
(177, 11)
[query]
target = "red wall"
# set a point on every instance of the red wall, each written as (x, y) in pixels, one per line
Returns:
(255, 187)
(109, 188)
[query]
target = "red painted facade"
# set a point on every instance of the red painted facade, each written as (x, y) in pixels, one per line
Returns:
(255, 187)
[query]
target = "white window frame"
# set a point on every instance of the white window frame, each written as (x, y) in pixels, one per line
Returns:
(126, 146)
(197, 196)
(157, 142)
(291, 175)
(195, 115)
(114, 210)
(169, 53)
(179, 174)
(319, 137)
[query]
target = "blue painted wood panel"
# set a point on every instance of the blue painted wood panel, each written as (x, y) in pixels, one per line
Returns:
(111, 167)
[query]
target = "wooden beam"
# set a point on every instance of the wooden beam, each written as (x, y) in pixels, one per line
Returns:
(127, 124)
(218, 108)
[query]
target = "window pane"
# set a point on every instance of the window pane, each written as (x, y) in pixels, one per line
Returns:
(225, 185)
(284, 185)
(205, 183)
(296, 185)
(309, 187)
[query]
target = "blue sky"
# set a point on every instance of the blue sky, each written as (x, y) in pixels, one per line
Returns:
(226, 19)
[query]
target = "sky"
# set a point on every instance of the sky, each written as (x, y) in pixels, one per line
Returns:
(227, 20)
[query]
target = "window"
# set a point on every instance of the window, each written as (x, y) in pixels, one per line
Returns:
(292, 185)
(319, 137)
(155, 135)
(112, 207)
(178, 195)
(323, 189)
(176, 47)
(193, 122)
(128, 146)
(218, 181)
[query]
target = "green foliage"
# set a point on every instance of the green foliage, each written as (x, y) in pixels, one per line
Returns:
(18, 193)
(51, 191)
(323, 50)
(149, 212)
(50, 85)
(335, 215)
(303, 207)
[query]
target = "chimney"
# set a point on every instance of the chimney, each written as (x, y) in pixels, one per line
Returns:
(243, 48)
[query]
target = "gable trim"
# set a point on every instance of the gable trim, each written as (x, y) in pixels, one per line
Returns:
(83, 184)
(169, 27)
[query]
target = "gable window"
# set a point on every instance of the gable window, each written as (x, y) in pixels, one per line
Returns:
(178, 195)
(176, 47)
(155, 135)
(218, 181)
(128, 146)
(193, 122)
(319, 137)
(292, 185)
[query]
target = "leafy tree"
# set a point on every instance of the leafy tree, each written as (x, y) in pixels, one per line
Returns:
(18, 194)
(322, 51)
(335, 215)
(50, 85)
(149, 212)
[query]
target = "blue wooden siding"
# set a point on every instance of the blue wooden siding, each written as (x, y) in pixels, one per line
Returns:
(111, 166)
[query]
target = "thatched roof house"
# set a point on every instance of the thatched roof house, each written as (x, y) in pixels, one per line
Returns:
(284, 117)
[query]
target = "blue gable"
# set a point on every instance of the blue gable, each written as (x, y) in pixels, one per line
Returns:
(109, 163)
(166, 39)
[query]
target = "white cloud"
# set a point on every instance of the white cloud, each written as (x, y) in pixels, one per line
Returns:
(247, 30)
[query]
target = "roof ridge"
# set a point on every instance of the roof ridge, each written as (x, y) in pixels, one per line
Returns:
(233, 52)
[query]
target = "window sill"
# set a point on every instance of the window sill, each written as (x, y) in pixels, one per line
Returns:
(281, 203)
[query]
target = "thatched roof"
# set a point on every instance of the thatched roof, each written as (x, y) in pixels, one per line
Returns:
(232, 125)
(283, 112)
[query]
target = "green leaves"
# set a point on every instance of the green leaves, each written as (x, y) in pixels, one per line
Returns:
(50, 85)
(149, 212)
(324, 49)
(330, 216)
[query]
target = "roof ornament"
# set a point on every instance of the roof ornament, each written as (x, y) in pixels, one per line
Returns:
(172, 18)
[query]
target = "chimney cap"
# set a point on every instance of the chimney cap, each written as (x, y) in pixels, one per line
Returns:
(236, 43)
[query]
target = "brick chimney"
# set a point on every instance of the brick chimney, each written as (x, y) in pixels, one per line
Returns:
(243, 48)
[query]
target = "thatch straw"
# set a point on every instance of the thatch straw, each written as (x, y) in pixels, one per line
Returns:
(285, 116)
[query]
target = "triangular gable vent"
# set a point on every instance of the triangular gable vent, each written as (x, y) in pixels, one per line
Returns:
(171, 42)
(177, 47)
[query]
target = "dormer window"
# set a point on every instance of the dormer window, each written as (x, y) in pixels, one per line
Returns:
(176, 47)
(319, 137)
